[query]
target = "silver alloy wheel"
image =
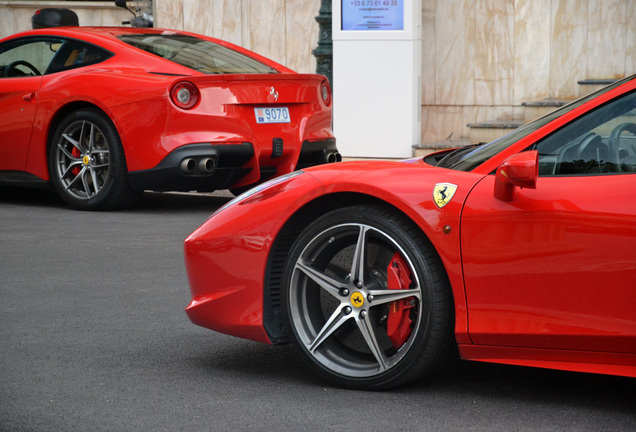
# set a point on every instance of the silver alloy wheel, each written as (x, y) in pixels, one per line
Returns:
(339, 300)
(82, 159)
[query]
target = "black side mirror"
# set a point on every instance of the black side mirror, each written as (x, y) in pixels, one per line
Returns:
(124, 4)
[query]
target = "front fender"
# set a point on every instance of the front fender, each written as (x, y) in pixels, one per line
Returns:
(410, 189)
(233, 246)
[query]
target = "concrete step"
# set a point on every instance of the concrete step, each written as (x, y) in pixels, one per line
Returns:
(492, 129)
(590, 85)
(535, 109)
(425, 149)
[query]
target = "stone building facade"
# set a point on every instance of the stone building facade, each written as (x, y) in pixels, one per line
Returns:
(491, 64)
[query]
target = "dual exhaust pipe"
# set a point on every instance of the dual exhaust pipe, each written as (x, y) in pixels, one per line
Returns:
(193, 166)
(334, 157)
(197, 166)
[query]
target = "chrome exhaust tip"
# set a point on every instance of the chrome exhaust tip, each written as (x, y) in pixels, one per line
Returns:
(207, 165)
(188, 166)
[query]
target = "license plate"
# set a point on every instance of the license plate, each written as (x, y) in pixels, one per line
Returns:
(272, 115)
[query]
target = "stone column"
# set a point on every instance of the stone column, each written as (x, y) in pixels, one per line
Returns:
(324, 51)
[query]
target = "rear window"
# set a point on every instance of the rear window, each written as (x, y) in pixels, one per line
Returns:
(198, 54)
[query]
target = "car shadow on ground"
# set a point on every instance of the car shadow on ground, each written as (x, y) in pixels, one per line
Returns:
(461, 380)
(181, 202)
(147, 202)
(536, 386)
(42, 197)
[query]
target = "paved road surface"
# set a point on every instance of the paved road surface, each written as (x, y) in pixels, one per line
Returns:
(93, 337)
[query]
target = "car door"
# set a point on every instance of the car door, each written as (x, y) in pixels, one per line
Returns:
(555, 268)
(22, 64)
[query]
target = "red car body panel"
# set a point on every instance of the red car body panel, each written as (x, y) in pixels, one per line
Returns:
(133, 89)
(516, 254)
(19, 114)
(545, 279)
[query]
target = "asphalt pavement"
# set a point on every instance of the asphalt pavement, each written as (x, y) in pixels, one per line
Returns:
(93, 337)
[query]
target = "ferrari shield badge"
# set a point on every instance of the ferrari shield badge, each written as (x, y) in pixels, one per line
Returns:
(443, 193)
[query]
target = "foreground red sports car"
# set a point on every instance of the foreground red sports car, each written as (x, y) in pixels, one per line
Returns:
(519, 251)
(103, 113)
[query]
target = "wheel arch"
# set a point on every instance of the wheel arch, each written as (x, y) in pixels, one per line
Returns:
(65, 110)
(272, 314)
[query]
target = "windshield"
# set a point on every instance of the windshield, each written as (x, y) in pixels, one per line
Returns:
(198, 54)
(470, 157)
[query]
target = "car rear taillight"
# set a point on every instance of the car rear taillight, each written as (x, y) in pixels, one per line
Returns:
(325, 92)
(185, 95)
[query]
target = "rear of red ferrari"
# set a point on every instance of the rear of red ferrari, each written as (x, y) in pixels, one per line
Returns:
(233, 131)
(241, 120)
(248, 128)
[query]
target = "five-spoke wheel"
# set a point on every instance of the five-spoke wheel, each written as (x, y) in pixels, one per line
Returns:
(366, 299)
(87, 163)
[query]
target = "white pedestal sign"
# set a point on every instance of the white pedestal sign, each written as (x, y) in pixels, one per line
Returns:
(376, 75)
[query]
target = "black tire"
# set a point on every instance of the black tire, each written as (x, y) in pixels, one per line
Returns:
(338, 312)
(87, 164)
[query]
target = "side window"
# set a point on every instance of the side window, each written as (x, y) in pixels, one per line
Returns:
(74, 54)
(27, 57)
(603, 141)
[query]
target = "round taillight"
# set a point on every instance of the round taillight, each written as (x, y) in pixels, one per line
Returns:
(325, 92)
(185, 95)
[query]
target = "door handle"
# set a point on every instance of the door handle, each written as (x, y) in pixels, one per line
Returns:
(30, 96)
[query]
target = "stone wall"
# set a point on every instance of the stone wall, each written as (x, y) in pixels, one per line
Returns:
(15, 16)
(481, 59)
(283, 30)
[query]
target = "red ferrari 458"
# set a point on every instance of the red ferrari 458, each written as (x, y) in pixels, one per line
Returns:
(104, 113)
(519, 251)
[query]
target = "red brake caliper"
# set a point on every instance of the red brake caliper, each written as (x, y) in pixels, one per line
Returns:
(399, 320)
(75, 152)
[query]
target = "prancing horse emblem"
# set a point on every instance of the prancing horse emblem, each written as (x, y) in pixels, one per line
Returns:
(357, 299)
(443, 193)
(274, 93)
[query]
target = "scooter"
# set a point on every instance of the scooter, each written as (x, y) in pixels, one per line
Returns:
(141, 18)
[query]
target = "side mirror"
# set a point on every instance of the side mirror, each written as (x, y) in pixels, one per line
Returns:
(124, 4)
(520, 170)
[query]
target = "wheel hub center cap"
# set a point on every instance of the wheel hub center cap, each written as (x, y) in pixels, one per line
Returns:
(86, 160)
(357, 299)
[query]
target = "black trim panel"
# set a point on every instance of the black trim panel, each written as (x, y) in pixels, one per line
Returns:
(316, 153)
(167, 176)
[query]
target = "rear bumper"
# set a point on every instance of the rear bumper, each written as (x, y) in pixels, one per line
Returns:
(196, 167)
(206, 167)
